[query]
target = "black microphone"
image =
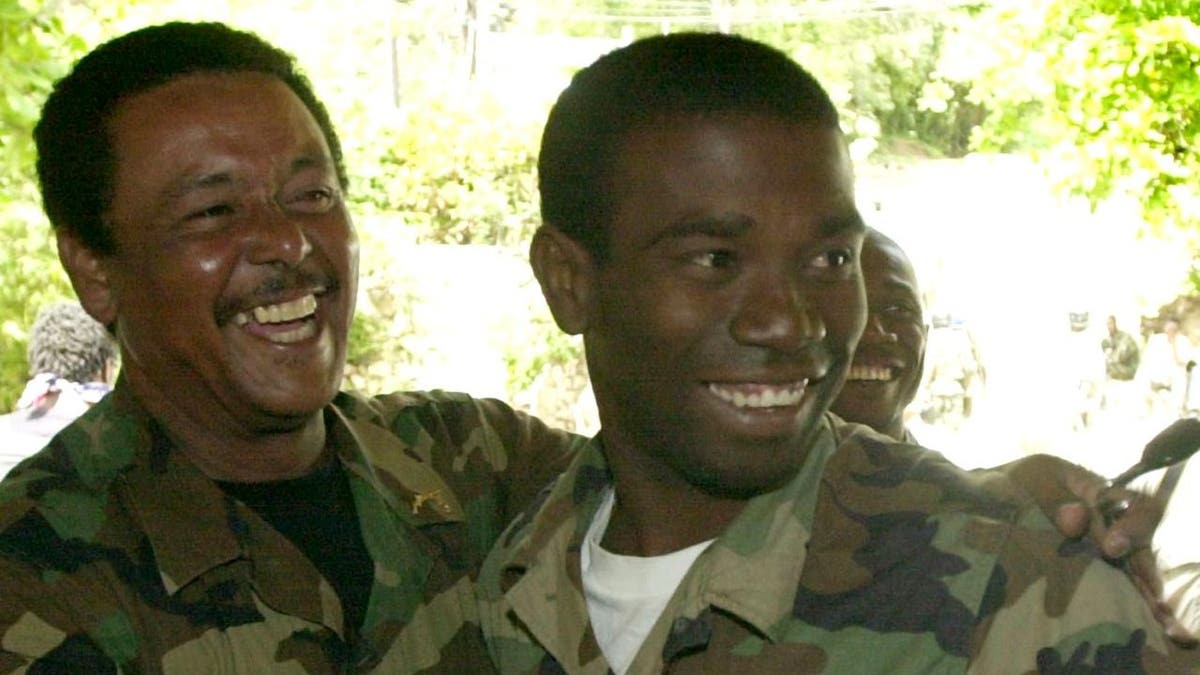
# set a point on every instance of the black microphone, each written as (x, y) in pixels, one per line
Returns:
(1172, 445)
(1180, 440)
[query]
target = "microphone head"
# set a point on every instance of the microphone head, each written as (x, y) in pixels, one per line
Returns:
(1174, 444)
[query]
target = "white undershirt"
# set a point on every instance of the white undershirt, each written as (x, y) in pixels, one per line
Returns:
(626, 594)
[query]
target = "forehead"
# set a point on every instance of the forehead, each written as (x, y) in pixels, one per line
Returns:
(201, 118)
(885, 265)
(760, 168)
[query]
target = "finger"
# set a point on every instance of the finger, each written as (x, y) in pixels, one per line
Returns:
(1087, 486)
(1143, 572)
(1134, 526)
(1055, 484)
(1073, 519)
(1143, 567)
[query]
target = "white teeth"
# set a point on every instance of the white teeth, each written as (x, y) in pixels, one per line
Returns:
(763, 397)
(281, 313)
(871, 373)
(287, 311)
(287, 337)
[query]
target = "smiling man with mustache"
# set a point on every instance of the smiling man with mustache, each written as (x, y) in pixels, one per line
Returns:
(227, 508)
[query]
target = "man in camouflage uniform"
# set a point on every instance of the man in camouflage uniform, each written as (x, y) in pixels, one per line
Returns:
(225, 509)
(1121, 353)
(700, 232)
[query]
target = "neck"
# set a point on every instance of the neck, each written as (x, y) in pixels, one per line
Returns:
(894, 430)
(231, 450)
(656, 512)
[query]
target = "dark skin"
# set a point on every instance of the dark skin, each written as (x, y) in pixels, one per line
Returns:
(883, 381)
(235, 271)
(721, 326)
(890, 357)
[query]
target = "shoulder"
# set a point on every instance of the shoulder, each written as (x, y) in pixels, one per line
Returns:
(434, 411)
(881, 474)
(1054, 605)
(76, 468)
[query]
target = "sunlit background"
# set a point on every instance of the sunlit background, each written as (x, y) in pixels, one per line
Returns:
(992, 141)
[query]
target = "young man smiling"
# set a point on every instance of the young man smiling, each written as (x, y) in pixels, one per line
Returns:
(700, 233)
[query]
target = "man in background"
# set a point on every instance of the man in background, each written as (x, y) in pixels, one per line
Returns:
(1121, 353)
(72, 360)
(1166, 373)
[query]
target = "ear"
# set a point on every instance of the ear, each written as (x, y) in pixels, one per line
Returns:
(566, 272)
(89, 277)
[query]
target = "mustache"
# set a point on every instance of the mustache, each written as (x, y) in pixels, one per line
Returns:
(282, 283)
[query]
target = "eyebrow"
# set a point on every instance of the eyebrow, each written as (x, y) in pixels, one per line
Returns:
(851, 223)
(730, 225)
(902, 287)
(735, 224)
(190, 184)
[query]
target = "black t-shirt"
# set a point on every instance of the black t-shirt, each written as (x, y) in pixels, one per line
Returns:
(316, 513)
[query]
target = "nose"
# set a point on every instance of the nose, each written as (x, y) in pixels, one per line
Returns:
(276, 237)
(776, 314)
(876, 331)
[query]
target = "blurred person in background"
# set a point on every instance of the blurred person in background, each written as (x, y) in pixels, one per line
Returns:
(1121, 353)
(1165, 367)
(72, 359)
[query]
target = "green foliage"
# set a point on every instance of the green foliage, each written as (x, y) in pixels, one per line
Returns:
(885, 73)
(456, 170)
(34, 50)
(1108, 89)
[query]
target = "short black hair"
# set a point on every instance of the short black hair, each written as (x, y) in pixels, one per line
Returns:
(75, 162)
(648, 80)
(67, 342)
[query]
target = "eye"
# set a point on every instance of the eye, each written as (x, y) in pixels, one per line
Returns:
(903, 310)
(714, 259)
(833, 258)
(214, 211)
(317, 200)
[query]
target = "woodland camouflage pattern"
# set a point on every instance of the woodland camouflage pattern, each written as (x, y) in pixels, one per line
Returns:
(114, 549)
(877, 558)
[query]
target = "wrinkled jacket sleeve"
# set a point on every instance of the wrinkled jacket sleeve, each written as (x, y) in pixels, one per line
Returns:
(37, 632)
(519, 452)
(1061, 609)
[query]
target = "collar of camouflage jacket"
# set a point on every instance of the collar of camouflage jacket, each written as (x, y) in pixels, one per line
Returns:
(751, 570)
(194, 527)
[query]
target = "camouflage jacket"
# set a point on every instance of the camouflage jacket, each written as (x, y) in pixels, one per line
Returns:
(118, 555)
(1121, 356)
(877, 558)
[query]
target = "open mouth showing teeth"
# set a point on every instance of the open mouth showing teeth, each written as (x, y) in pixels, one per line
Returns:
(760, 395)
(278, 323)
(870, 373)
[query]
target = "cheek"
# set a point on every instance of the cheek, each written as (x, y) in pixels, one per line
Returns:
(844, 313)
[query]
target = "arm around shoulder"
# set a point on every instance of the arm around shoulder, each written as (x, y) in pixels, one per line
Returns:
(1054, 606)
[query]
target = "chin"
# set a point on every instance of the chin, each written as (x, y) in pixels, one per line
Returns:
(741, 487)
(764, 470)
